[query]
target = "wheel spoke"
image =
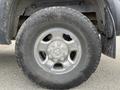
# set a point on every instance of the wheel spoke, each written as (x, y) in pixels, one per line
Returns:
(50, 64)
(57, 34)
(68, 63)
(72, 45)
(43, 46)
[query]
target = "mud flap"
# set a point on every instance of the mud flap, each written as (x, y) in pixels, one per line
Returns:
(109, 35)
(109, 46)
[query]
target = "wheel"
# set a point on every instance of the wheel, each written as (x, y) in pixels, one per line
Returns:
(58, 48)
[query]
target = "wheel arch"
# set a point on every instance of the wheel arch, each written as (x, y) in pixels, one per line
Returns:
(8, 18)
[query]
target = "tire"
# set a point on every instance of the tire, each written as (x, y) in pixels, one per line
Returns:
(74, 22)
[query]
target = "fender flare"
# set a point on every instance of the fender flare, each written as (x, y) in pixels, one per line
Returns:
(114, 6)
(7, 7)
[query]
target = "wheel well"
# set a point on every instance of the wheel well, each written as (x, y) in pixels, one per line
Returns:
(27, 7)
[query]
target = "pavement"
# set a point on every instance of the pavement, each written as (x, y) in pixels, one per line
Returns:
(107, 76)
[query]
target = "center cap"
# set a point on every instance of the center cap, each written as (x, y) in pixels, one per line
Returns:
(58, 50)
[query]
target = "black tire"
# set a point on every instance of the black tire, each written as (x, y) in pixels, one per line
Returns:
(67, 18)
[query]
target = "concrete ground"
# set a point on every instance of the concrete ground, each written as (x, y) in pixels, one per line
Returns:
(107, 76)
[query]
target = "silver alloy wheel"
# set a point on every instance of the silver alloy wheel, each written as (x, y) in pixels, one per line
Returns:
(57, 50)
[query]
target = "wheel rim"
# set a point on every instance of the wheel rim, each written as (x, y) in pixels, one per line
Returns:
(57, 50)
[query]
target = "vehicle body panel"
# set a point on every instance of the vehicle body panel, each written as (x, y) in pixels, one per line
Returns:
(114, 6)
